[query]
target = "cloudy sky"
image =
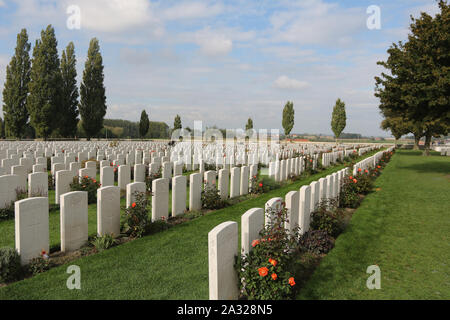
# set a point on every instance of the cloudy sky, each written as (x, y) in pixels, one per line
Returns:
(224, 61)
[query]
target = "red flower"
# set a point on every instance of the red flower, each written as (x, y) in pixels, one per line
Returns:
(359, 169)
(355, 181)
(366, 171)
(351, 178)
(255, 243)
(274, 276)
(378, 167)
(273, 262)
(263, 271)
(260, 184)
(292, 281)
(133, 205)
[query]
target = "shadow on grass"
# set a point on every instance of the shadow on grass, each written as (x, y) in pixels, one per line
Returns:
(415, 153)
(429, 167)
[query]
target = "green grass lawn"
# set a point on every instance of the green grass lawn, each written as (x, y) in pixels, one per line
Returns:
(403, 227)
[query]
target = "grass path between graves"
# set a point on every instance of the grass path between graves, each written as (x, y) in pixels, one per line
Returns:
(172, 264)
(403, 227)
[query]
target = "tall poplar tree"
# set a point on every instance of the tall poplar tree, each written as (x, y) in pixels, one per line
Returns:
(15, 89)
(44, 100)
(177, 123)
(338, 118)
(92, 92)
(144, 124)
(69, 102)
(249, 124)
(288, 117)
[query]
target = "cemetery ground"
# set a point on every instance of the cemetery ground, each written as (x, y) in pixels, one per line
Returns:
(403, 227)
(172, 264)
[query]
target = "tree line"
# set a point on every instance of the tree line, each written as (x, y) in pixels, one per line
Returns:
(40, 94)
(415, 92)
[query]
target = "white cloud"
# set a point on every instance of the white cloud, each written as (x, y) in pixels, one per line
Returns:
(318, 23)
(213, 43)
(192, 10)
(114, 15)
(283, 82)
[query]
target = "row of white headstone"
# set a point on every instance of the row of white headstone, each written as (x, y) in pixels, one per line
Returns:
(223, 239)
(32, 230)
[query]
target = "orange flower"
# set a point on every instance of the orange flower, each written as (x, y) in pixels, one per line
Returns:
(273, 262)
(292, 281)
(95, 181)
(359, 169)
(351, 178)
(378, 167)
(274, 276)
(133, 205)
(255, 243)
(366, 171)
(86, 177)
(263, 271)
(355, 181)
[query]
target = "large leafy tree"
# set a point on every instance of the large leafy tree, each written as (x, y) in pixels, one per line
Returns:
(288, 117)
(417, 88)
(69, 103)
(92, 105)
(44, 100)
(144, 124)
(397, 126)
(15, 89)
(338, 118)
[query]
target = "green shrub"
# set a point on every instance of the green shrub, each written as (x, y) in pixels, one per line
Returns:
(39, 264)
(21, 194)
(267, 271)
(364, 181)
(316, 241)
(328, 217)
(104, 242)
(153, 176)
(51, 182)
(86, 184)
(7, 212)
(211, 198)
(10, 268)
(137, 221)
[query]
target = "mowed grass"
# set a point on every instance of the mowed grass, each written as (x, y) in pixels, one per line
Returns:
(403, 227)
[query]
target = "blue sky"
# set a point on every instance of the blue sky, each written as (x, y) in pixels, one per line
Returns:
(224, 61)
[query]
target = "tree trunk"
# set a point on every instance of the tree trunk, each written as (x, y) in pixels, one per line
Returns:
(416, 142)
(426, 152)
(395, 143)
